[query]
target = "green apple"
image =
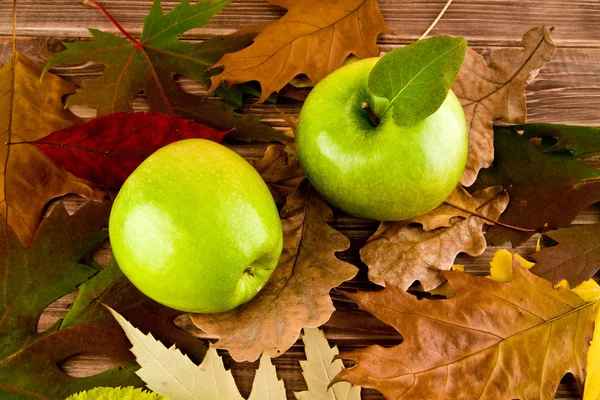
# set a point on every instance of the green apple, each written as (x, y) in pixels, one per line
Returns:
(385, 171)
(195, 228)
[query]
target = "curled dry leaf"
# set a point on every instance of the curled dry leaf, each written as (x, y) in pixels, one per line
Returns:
(107, 150)
(281, 171)
(446, 214)
(400, 253)
(492, 340)
(29, 179)
(313, 38)
(496, 92)
(297, 294)
(547, 189)
(576, 258)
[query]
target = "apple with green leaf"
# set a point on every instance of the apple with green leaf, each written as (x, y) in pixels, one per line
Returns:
(385, 138)
(195, 228)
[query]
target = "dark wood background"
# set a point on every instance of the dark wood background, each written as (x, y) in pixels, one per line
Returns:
(566, 91)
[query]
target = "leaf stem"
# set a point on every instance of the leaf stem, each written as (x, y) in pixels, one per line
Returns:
(92, 3)
(374, 118)
(516, 228)
(434, 23)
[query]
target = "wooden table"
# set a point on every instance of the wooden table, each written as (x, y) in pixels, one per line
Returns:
(566, 91)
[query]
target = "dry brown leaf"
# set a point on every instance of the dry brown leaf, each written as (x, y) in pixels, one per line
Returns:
(496, 92)
(313, 38)
(297, 294)
(400, 253)
(30, 110)
(281, 172)
(446, 214)
(491, 341)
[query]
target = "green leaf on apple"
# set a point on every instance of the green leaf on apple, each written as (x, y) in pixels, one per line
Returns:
(416, 78)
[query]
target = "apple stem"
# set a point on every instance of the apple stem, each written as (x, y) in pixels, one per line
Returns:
(374, 118)
(491, 221)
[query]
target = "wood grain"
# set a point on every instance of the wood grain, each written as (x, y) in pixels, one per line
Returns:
(499, 22)
(566, 91)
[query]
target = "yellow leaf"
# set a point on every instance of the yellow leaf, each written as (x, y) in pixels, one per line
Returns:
(501, 266)
(170, 373)
(592, 383)
(320, 368)
(501, 270)
(265, 385)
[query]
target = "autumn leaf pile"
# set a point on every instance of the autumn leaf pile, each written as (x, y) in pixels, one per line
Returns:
(513, 336)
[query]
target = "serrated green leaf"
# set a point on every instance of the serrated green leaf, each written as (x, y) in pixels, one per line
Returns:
(130, 64)
(107, 393)
(320, 368)
(416, 78)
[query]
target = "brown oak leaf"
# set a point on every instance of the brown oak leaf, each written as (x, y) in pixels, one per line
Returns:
(30, 110)
(313, 38)
(491, 341)
(576, 258)
(496, 92)
(297, 294)
(400, 253)
(446, 214)
(281, 172)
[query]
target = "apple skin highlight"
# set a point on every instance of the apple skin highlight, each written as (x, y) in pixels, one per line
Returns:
(195, 228)
(384, 172)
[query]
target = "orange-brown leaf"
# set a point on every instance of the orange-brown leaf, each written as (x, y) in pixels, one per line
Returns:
(30, 110)
(491, 341)
(313, 38)
(297, 294)
(281, 173)
(496, 92)
(400, 253)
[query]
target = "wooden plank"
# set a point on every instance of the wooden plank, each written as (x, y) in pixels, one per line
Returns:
(577, 22)
(567, 90)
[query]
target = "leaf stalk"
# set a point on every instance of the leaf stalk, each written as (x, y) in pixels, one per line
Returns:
(92, 3)
(491, 221)
(436, 20)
